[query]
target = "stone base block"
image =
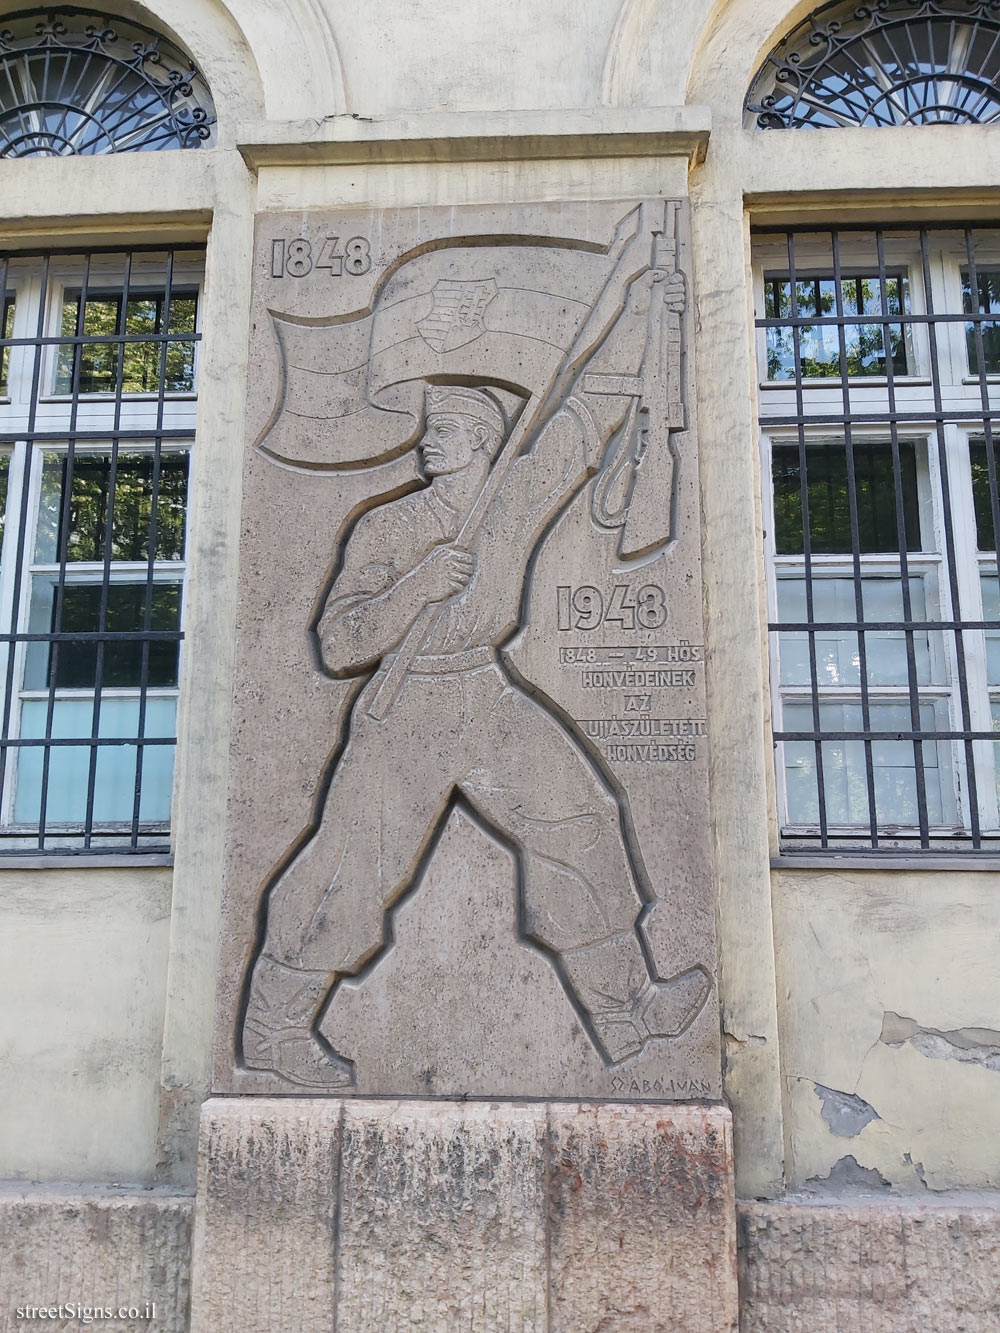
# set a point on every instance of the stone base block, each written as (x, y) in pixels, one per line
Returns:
(870, 1268)
(376, 1216)
(96, 1252)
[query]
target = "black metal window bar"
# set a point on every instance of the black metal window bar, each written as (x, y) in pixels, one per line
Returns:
(98, 374)
(879, 351)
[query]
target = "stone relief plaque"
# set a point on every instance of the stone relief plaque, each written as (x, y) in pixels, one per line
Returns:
(468, 843)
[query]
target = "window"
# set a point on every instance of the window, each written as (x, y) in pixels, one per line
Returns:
(898, 62)
(72, 81)
(96, 423)
(880, 392)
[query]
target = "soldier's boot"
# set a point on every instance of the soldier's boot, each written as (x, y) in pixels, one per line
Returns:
(278, 1034)
(627, 1007)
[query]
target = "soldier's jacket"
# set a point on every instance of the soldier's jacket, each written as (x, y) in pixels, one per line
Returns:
(389, 541)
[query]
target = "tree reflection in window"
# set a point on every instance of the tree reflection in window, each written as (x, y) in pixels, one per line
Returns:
(118, 492)
(985, 301)
(828, 498)
(819, 344)
(8, 332)
(98, 366)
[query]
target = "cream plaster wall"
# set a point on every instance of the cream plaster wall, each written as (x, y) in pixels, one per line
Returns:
(889, 993)
(83, 968)
(404, 55)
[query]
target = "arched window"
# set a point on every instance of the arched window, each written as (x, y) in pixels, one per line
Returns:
(77, 82)
(892, 62)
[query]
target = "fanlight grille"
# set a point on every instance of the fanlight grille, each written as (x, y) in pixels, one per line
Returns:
(893, 62)
(75, 82)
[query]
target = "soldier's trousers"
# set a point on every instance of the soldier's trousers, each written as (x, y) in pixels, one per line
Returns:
(470, 732)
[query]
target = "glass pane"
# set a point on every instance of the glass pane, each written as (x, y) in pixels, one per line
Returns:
(984, 301)
(995, 712)
(829, 507)
(819, 345)
(985, 536)
(838, 659)
(991, 611)
(8, 332)
(96, 363)
(844, 777)
(69, 766)
(76, 665)
(4, 480)
(91, 504)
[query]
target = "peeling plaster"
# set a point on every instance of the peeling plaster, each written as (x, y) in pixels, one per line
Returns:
(845, 1112)
(848, 1176)
(734, 1043)
(881, 978)
(918, 1167)
(980, 1046)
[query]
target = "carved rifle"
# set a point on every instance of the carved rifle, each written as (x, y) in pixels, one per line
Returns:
(658, 382)
(625, 248)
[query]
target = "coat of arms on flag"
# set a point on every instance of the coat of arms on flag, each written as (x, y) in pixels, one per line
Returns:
(457, 316)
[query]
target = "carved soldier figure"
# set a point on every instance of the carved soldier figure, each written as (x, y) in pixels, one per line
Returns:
(463, 727)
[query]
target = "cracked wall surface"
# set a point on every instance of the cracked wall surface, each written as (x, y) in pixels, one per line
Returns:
(889, 1009)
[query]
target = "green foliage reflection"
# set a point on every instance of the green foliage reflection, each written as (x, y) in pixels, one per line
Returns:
(8, 332)
(128, 508)
(97, 363)
(985, 302)
(829, 500)
(819, 345)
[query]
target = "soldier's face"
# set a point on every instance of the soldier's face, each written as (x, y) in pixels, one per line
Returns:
(448, 445)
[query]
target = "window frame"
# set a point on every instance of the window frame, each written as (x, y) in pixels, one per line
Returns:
(114, 424)
(959, 546)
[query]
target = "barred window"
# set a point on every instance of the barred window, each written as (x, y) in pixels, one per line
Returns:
(97, 402)
(879, 354)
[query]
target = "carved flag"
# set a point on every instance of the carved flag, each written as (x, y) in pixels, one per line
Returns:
(351, 390)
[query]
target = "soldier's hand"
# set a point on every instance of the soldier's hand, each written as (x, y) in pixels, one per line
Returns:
(445, 572)
(675, 293)
(671, 284)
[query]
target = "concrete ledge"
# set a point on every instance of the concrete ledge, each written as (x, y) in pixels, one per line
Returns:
(881, 1267)
(93, 1249)
(480, 136)
(445, 1216)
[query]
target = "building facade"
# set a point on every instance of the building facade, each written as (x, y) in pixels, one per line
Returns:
(828, 384)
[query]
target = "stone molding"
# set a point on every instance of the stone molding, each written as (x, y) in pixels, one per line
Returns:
(479, 136)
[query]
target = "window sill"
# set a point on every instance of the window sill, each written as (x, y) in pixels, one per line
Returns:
(912, 861)
(84, 860)
(855, 381)
(100, 399)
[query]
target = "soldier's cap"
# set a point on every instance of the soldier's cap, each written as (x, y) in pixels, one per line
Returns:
(455, 400)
